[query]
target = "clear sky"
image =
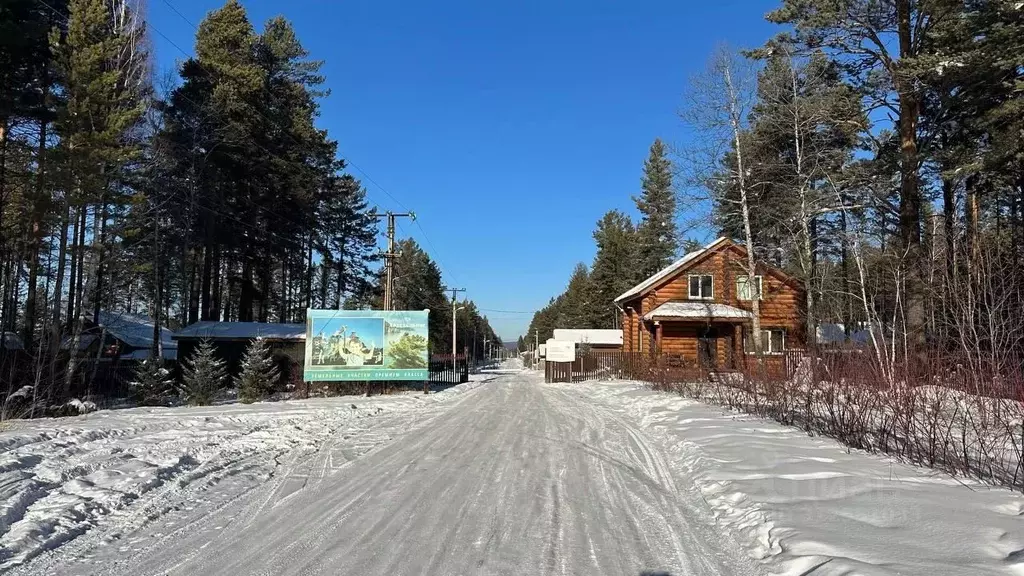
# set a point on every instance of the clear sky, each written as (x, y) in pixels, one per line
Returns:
(508, 126)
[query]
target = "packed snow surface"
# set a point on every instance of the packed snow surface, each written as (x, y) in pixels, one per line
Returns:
(809, 506)
(503, 475)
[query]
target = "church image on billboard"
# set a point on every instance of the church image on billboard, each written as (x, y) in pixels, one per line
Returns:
(345, 345)
(348, 342)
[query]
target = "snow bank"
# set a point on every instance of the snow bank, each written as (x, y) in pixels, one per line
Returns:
(807, 505)
(69, 486)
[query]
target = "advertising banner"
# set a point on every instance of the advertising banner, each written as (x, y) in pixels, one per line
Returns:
(345, 345)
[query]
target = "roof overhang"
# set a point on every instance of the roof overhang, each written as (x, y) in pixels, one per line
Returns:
(704, 311)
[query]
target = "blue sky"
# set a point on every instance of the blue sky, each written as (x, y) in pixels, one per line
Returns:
(509, 127)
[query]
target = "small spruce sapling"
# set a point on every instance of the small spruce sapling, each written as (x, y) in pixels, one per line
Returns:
(153, 384)
(202, 374)
(259, 373)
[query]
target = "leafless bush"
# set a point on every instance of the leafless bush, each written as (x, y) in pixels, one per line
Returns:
(936, 408)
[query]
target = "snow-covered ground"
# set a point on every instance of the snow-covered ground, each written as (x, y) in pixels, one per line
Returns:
(502, 475)
(804, 505)
(104, 483)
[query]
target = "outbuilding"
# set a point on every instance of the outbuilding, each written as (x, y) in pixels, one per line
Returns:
(230, 340)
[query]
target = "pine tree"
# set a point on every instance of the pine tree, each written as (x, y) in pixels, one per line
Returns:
(202, 375)
(153, 384)
(657, 243)
(259, 372)
(579, 306)
(418, 286)
(614, 266)
(348, 239)
(102, 80)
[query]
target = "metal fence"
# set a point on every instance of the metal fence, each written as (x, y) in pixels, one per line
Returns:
(444, 371)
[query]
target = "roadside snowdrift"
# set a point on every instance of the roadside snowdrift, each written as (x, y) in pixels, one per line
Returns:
(111, 473)
(805, 505)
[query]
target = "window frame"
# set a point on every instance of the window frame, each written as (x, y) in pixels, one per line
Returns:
(767, 351)
(758, 278)
(700, 286)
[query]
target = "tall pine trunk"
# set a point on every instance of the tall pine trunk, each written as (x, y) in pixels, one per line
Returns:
(100, 228)
(73, 250)
(206, 295)
(910, 193)
(58, 293)
(193, 287)
(35, 238)
(245, 297)
(215, 310)
(309, 274)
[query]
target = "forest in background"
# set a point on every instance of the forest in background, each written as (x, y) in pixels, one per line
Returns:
(875, 151)
(209, 195)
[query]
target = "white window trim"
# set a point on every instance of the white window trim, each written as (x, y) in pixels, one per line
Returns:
(760, 282)
(699, 284)
(771, 352)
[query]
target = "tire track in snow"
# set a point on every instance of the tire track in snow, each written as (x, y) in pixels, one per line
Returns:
(515, 478)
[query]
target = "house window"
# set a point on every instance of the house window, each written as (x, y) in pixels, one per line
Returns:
(702, 287)
(773, 341)
(744, 288)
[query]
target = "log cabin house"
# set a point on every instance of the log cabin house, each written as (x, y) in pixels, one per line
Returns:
(697, 311)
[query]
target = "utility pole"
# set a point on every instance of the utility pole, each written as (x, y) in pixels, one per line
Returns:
(536, 347)
(390, 255)
(455, 291)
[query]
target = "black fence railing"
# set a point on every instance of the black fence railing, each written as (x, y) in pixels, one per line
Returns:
(443, 370)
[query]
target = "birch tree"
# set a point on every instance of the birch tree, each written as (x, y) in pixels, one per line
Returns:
(717, 109)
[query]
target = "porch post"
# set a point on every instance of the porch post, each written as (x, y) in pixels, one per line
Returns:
(737, 344)
(657, 337)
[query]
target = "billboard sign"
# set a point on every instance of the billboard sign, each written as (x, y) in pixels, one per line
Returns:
(561, 351)
(346, 345)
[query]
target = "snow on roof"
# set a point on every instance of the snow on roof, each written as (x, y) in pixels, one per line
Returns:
(829, 333)
(596, 337)
(133, 330)
(242, 330)
(696, 310)
(671, 269)
(168, 354)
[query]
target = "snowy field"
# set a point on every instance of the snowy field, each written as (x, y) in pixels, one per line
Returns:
(809, 506)
(503, 475)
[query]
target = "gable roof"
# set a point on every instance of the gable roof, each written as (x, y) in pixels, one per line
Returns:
(134, 330)
(242, 330)
(670, 270)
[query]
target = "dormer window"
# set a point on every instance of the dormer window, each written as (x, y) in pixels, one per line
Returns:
(702, 287)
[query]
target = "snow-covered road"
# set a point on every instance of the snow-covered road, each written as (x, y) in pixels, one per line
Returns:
(510, 477)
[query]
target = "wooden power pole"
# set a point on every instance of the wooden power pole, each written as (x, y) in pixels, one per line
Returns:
(390, 255)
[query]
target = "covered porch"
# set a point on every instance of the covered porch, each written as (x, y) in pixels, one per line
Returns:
(703, 335)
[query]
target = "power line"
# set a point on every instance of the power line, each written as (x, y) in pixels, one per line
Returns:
(272, 122)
